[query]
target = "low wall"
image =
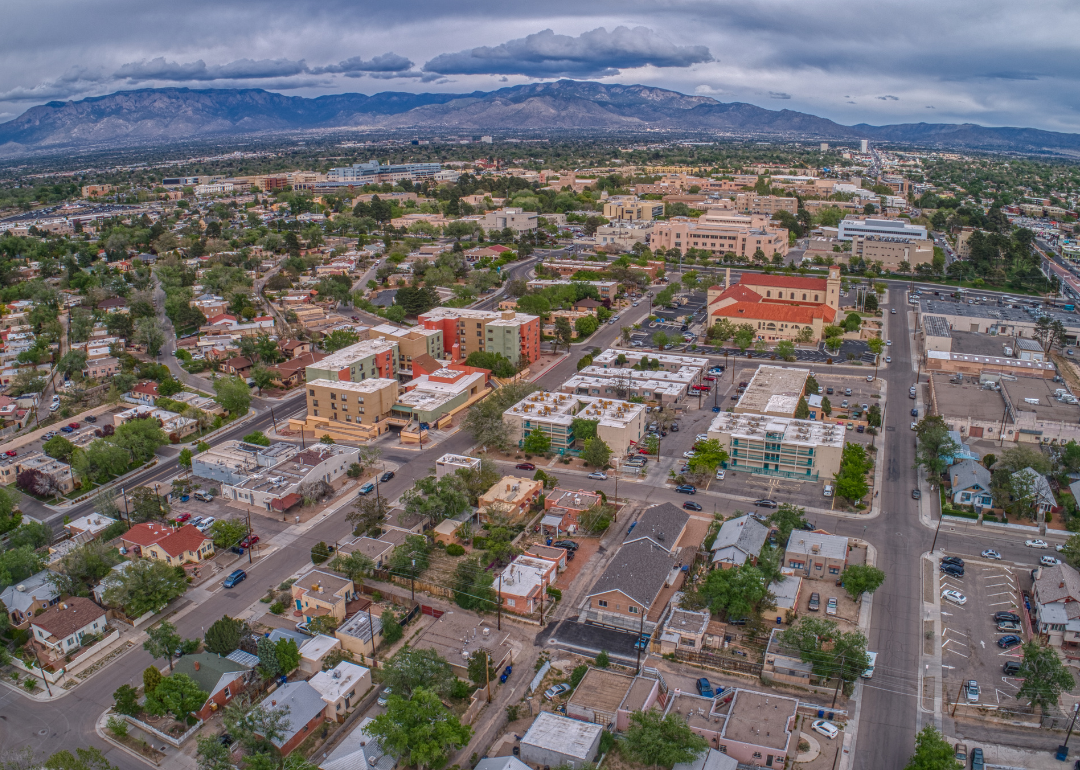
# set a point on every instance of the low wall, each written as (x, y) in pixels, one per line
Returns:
(175, 742)
(52, 677)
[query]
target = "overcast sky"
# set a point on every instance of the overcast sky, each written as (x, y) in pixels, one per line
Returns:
(993, 63)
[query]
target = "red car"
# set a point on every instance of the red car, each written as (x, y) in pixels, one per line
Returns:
(11, 453)
(525, 467)
(643, 451)
(73, 425)
(181, 518)
(249, 541)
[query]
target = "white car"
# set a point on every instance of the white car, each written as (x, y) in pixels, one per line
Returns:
(1049, 561)
(205, 523)
(1059, 547)
(688, 455)
(828, 729)
(888, 359)
(955, 597)
(598, 475)
(720, 474)
(1036, 544)
(893, 311)
(914, 426)
(990, 553)
(701, 437)
(888, 342)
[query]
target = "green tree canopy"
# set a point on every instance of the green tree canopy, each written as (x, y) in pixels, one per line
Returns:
(146, 585)
(861, 578)
(420, 729)
(224, 635)
(662, 741)
(411, 669)
(1044, 676)
(932, 751)
(177, 695)
(233, 394)
(828, 650)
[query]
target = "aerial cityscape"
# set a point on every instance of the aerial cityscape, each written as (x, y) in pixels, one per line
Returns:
(522, 412)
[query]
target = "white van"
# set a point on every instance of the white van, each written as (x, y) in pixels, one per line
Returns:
(828, 490)
(869, 673)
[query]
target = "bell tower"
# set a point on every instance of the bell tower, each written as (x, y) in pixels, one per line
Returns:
(832, 290)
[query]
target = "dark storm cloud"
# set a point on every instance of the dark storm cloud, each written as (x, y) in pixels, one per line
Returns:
(241, 69)
(387, 62)
(594, 54)
(778, 95)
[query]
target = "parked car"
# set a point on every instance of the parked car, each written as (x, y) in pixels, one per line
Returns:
(914, 412)
(952, 560)
(642, 643)
(961, 754)
(205, 523)
(1006, 616)
(815, 602)
(828, 729)
(686, 489)
(971, 690)
(719, 474)
(384, 696)
(202, 496)
(1036, 544)
(1049, 561)
(249, 541)
(952, 569)
(235, 578)
(569, 545)
(701, 437)
(598, 475)
(977, 761)
(691, 506)
(90, 418)
(990, 553)
(386, 477)
(367, 489)
(690, 454)
(955, 597)
(830, 606)
(67, 429)
(766, 503)
(1009, 626)
(1011, 668)
(525, 467)
(704, 689)
(555, 691)
(916, 494)
(1010, 641)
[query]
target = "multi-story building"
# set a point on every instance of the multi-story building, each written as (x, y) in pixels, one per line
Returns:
(891, 251)
(374, 173)
(367, 358)
(773, 390)
(449, 463)
(524, 582)
(779, 446)
(623, 235)
(318, 593)
(887, 228)
(58, 471)
(411, 343)
(629, 207)
(606, 289)
(669, 362)
(443, 393)
(660, 387)
(620, 424)
(514, 218)
(513, 335)
(777, 306)
(751, 203)
(511, 496)
(346, 410)
(720, 234)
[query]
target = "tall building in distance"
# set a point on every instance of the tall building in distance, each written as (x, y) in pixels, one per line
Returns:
(373, 173)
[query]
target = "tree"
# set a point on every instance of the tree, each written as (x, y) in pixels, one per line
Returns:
(564, 333)
(744, 337)
(411, 558)
(9, 516)
(126, 700)
(785, 349)
(268, 657)
(536, 443)
(262, 377)
(851, 481)
(662, 741)
(419, 730)
(368, 513)
(224, 635)
(586, 325)
(734, 592)
(83, 759)
(876, 345)
(596, 453)
(861, 578)
(163, 640)
(37, 483)
(72, 363)
(932, 751)
(482, 668)
(184, 458)
(151, 678)
(177, 694)
(355, 566)
(148, 332)
(708, 456)
(829, 651)
(826, 406)
(212, 754)
(473, 586)
(147, 505)
(597, 518)
(141, 437)
(338, 339)
(873, 416)
(144, 586)
(1044, 676)
(412, 669)
(786, 519)
(661, 340)
(256, 727)
(936, 449)
(870, 302)
(802, 409)
(233, 394)
(228, 532)
(288, 655)
(392, 631)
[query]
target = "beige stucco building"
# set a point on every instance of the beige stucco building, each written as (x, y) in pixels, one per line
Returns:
(720, 233)
(620, 424)
(511, 495)
(349, 411)
(779, 446)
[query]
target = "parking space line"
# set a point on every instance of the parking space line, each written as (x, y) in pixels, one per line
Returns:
(1001, 593)
(953, 631)
(998, 604)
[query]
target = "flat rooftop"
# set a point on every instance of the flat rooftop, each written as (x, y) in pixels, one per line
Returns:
(966, 399)
(1007, 315)
(569, 737)
(999, 363)
(774, 390)
(975, 344)
(371, 385)
(562, 408)
(686, 375)
(439, 313)
(760, 719)
(936, 326)
(787, 429)
(602, 690)
(1026, 390)
(650, 384)
(394, 331)
(347, 356)
(541, 282)
(457, 634)
(609, 356)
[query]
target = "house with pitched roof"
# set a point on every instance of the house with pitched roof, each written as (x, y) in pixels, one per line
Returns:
(970, 484)
(175, 547)
(28, 596)
(360, 750)
(739, 540)
(662, 525)
(1056, 595)
(1035, 488)
(221, 678)
(60, 630)
(630, 586)
(306, 711)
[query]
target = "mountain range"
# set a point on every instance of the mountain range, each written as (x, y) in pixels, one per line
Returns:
(161, 115)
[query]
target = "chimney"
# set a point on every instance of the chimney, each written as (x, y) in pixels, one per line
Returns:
(1061, 584)
(273, 703)
(196, 665)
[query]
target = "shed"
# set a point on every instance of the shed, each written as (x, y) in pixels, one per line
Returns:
(446, 531)
(555, 740)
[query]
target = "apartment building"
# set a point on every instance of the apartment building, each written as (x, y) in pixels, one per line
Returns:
(631, 208)
(620, 424)
(779, 446)
(58, 471)
(719, 234)
(661, 386)
(750, 203)
(606, 289)
(372, 172)
(669, 362)
(513, 335)
(888, 228)
(367, 358)
(443, 393)
(348, 411)
(514, 218)
(411, 343)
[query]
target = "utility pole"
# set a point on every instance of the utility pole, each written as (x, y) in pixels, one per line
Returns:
(250, 544)
(272, 418)
(412, 580)
(641, 633)
(374, 664)
(957, 702)
(41, 668)
(1076, 709)
(542, 589)
(839, 681)
(487, 674)
(617, 464)
(936, 530)
(498, 605)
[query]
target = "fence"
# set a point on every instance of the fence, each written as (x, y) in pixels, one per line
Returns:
(719, 661)
(176, 742)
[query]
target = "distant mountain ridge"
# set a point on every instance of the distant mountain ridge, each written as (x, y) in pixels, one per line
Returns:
(151, 115)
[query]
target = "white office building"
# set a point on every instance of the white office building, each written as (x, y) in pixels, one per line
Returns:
(887, 228)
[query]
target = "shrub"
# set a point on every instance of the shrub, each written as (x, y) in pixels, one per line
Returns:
(320, 552)
(278, 608)
(455, 550)
(555, 592)
(460, 689)
(117, 726)
(29, 684)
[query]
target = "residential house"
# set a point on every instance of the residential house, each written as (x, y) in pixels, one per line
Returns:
(320, 593)
(501, 763)
(522, 584)
(512, 496)
(219, 677)
(294, 348)
(341, 688)
(445, 531)
(289, 374)
(361, 634)
(785, 590)
(314, 650)
(710, 759)
(92, 524)
(553, 741)
(59, 472)
(306, 710)
(630, 585)
(1056, 594)
(662, 525)
(145, 393)
(378, 550)
(60, 630)
(1034, 487)
(609, 698)
(970, 484)
(685, 629)
(114, 305)
(564, 508)
(816, 554)
(239, 366)
(360, 749)
(739, 540)
(173, 546)
(28, 596)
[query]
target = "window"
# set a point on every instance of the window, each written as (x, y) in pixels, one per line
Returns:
(633, 609)
(333, 396)
(316, 413)
(311, 392)
(797, 564)
(601, 602)
(834, 570)
(314, 403)
(228, 693)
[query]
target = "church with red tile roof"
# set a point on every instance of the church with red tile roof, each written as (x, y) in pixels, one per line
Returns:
(778, 307)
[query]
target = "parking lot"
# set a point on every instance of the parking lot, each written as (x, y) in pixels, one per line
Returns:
(969, 634)
(80, 436)
(265, 526)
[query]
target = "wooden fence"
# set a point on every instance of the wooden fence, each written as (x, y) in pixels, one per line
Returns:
(719, 661)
